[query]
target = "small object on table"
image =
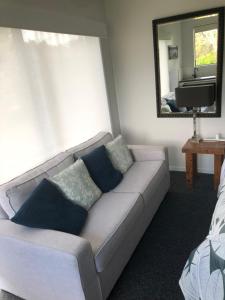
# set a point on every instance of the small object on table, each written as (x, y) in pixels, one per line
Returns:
(217, 148)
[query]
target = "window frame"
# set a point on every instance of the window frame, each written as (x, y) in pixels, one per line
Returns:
(202, 28)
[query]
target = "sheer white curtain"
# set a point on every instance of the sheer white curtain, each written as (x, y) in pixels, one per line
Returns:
(52, 96)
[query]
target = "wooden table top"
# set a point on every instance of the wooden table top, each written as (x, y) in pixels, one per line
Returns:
(204, 147)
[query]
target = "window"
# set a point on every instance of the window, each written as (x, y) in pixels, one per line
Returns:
(205, 43)
(52, 96)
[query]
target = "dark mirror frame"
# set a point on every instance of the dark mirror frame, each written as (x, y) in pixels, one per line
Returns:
(155, 23)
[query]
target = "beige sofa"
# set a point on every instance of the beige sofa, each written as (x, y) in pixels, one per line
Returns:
(37, 264)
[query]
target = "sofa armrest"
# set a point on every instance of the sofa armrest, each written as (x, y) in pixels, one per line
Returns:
(148, 152)
(46, 264)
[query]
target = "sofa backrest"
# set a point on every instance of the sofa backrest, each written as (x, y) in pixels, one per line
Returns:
(100, 139)
(14, 193)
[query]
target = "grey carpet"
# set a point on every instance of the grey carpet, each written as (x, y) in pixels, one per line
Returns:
(180, 224)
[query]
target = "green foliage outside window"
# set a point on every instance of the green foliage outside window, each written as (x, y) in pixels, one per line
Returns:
(206, 47)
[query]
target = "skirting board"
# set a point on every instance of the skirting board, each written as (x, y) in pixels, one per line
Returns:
(182, 169)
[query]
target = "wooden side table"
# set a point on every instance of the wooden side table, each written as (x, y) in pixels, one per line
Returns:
(191, 150)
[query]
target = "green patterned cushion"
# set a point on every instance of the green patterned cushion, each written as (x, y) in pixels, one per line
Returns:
(119, 154)
(77, 184)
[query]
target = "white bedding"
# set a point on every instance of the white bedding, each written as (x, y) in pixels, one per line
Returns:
(203, 277)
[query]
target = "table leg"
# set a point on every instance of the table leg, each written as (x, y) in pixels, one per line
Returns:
(194, 157)
(191, 168)
(218, 160)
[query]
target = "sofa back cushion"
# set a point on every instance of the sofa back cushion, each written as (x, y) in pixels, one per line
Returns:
(100, 139)
(14, 193)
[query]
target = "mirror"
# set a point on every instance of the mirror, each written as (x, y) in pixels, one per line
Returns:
(188, 52)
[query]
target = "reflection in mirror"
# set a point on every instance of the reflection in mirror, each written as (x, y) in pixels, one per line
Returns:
(187, 52)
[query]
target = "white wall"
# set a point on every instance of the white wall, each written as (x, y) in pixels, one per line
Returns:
(173, 32)
(164, 68)
(130, 29)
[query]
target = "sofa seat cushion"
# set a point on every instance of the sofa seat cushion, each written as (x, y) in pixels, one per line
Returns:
(144, 178)
(110, 220)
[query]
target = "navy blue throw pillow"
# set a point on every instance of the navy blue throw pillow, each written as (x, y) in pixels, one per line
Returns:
(172, 105)
(105, 176)
(48, 208)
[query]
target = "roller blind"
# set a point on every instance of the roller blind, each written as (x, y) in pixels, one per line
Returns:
(52, 96)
